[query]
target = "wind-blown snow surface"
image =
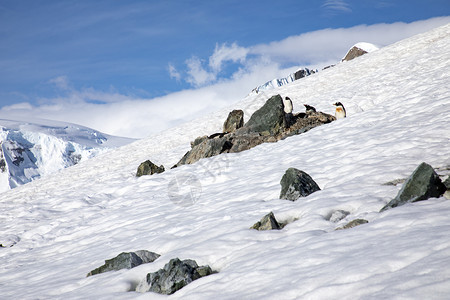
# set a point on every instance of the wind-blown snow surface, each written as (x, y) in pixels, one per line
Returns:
(398, 104)
(33, 148)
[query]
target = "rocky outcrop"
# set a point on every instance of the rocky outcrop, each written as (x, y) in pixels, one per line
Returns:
(353, 53)
(126, 260)
(353, 223)
(268, 222)
(234, 121)
(423, 183)
(148, 168)
(267, 125)
(296, 184)
(175, 275)
(269, 119)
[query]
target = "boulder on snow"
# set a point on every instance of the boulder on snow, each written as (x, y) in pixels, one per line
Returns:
(148, 168)
(423, 183)
(175, 275)
(205, 147)
(126, 260)
(353, 223)
(234, 121)
(296, 184)
(268, 222)
(269, 119)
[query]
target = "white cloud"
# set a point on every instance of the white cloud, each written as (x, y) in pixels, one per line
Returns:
(197, 75)
(173, 72)
(61, 82)
(225, 53)
(336, 6)
(127, 115)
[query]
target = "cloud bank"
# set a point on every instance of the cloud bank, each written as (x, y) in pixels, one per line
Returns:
(213, 84)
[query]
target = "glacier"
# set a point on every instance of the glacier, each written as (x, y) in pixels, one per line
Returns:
(30, 149)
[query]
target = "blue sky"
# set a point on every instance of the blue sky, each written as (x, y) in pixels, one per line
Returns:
(62, 53)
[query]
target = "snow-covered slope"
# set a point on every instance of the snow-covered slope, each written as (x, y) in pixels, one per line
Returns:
(64, 226)
(33, 148)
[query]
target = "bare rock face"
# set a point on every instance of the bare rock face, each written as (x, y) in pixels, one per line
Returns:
(423, 183)
(175, 275)
(234, 121)
(353, 53)
(296, 184)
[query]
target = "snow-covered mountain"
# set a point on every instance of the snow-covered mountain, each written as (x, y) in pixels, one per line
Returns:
(60, 227)
(34, 148)
(277, 82)
(356, 50)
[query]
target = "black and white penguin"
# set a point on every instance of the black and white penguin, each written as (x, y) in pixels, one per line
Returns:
(340, 111)
(287, 105)
(309, 108)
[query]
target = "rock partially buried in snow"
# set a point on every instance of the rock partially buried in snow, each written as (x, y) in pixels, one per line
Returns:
(423, 183)
(126, 260)
(175, 275)
(353, 223)
(337, 215)
(234, 121)
(148, 168)
(296, 184)
(268, 222)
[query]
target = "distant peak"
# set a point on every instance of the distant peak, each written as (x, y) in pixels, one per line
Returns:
(358, 50)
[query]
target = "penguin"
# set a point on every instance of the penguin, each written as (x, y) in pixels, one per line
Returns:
(340, 111)
(309, 108)
(287, 103)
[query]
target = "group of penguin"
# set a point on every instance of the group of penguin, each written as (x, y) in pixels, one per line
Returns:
(339, 113)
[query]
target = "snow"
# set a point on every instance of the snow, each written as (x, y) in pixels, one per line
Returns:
(368, 47)
(397, 101)
(33, 148)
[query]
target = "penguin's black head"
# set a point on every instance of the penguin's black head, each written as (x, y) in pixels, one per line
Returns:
(338, 104)
(287, 98)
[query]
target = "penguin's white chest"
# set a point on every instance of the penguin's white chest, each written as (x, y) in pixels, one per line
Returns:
(340, 113)
(287, 106)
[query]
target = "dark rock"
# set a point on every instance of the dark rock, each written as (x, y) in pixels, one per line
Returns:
(206, 148)
(268, 222)
(126, 260)
(198, 141)
(296, 184)
(246, 141)
(447, 183)
(175, 275)
(148, 168)
(234, 121)
(423, 183)
(353, 53)
(269, 124)
(353, 223)
(269, 119)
